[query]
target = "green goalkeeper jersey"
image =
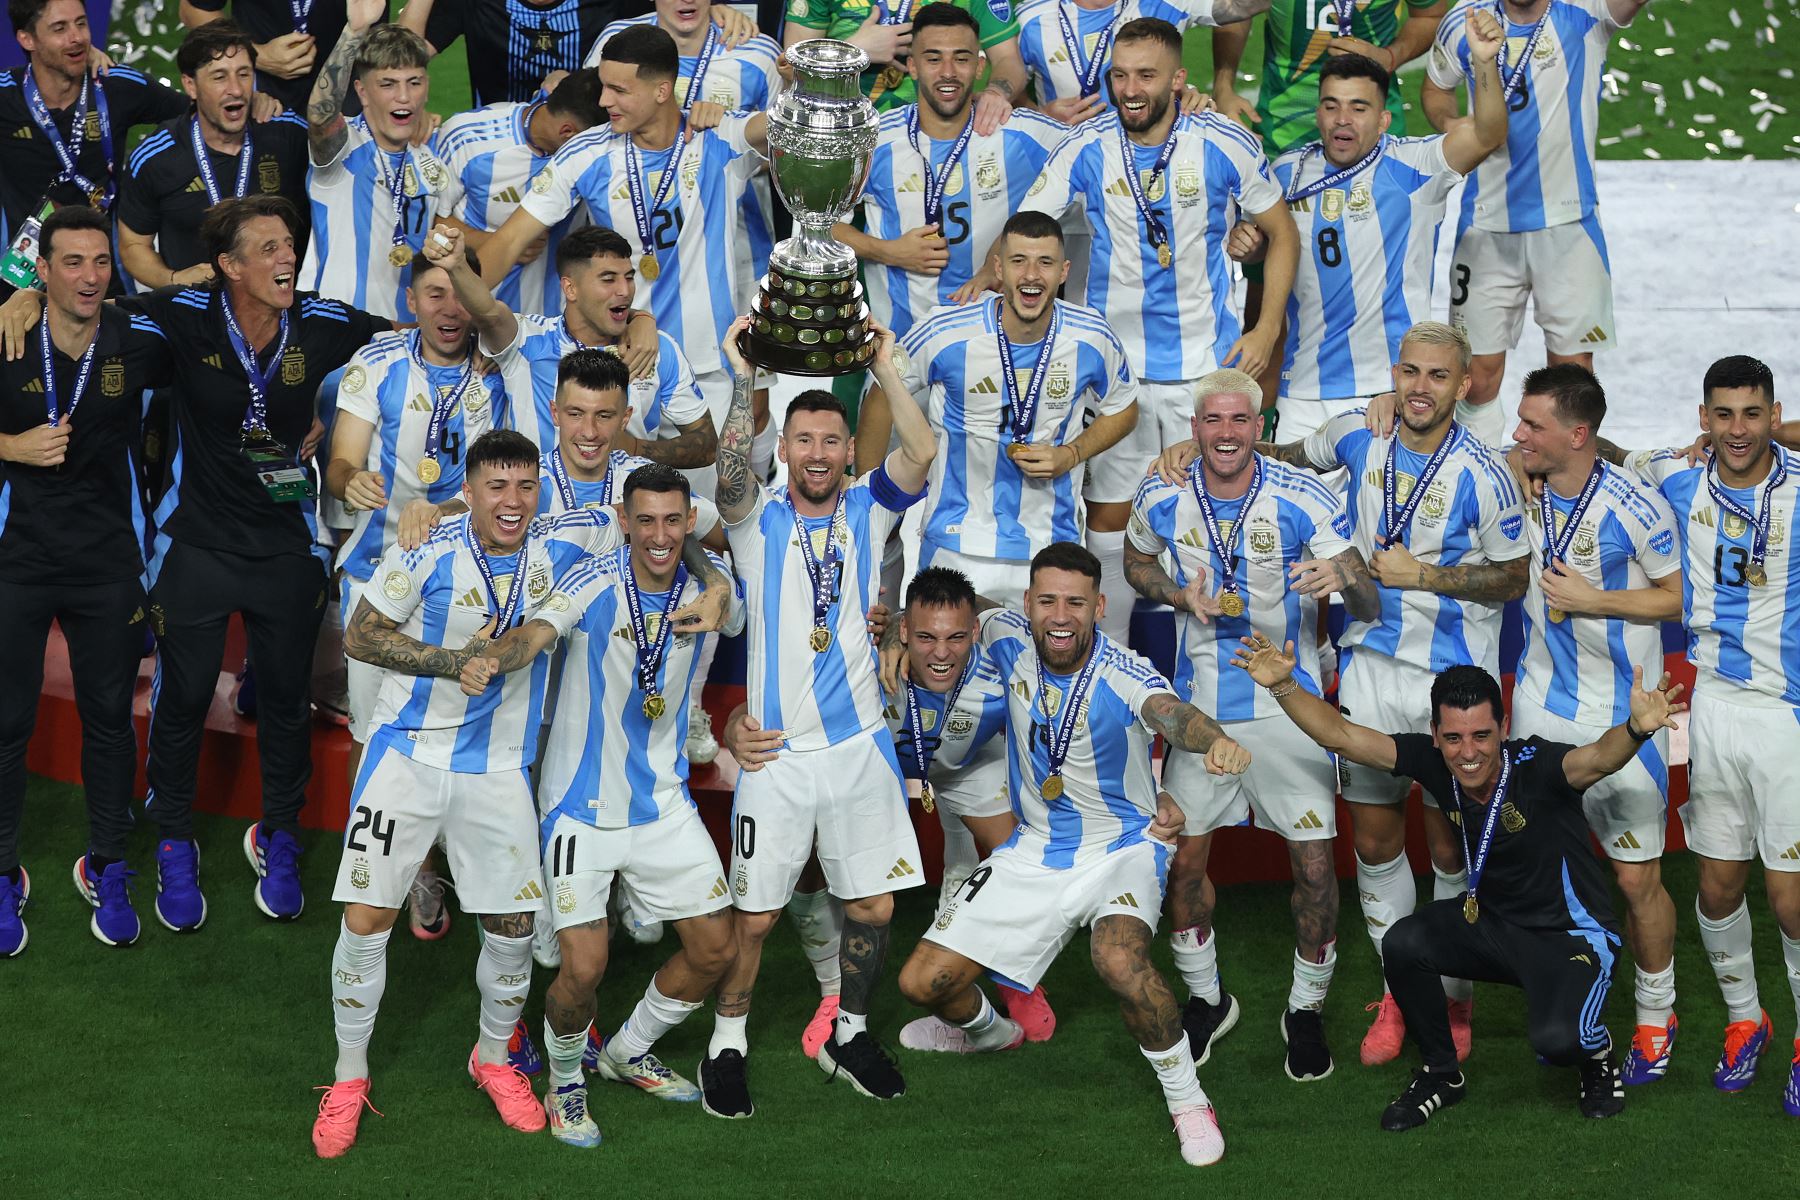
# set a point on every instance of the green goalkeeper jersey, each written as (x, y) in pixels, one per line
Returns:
(1295, 36)
(841, 18)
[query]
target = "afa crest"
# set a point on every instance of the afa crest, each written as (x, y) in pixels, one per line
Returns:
(293, 367)
(112, 377)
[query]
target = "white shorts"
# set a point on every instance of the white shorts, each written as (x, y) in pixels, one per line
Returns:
(1563, 270)
(1291, 784)
(1629, 809)
(1391, 696)
(980, 789)
(1014, 915)
(364, 678)
(1002, 579)
(1300, 417)
(1742, 792)
(399, 807)
(1165, 417)
(669, 868)
(849, 799)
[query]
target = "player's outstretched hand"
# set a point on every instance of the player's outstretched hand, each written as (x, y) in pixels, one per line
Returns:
(417, 520)
(1197, 598)
(445, 245)
(1317, 577)
(749, 744)
(1169, 820)
(18, 317)
(706, 613)
(1171, 466)
(1230, 104)
(1654, 708)
(1258, 656)
(734, 353)
(1484, 35)
(1226, 757)
(992, 110)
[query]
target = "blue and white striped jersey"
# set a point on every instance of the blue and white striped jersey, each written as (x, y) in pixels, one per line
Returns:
(1109, 792)
(385, 386)
(1056, 68)
(1544, 175)
(610, 490)
(1177, 322)
(1738, 633)
(820, 699)
(437, 595)
(1470, 515)
(491, 156)
(1579, 668)
(659, 405)
(606, 763)
(979, 501)
(1365, 265)
(695, 234)
(963, 741)
(354, 217)
(980, 193)
(1292, 509)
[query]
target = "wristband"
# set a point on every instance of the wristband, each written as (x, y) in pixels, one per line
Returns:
(1635, 736)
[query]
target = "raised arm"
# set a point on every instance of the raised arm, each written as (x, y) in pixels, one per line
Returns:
(1468, 142)
(1187, 728)
(1228, 43)
(874, 429)
(497, 325)
(326, 128)
(910, 465)
(1274, 670)
(1439, 104)
(1651, 710)
(696, 446)
(736, 491)
(504, 247)
(416, 16)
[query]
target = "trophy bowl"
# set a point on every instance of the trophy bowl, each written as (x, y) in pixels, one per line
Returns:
(810, 316)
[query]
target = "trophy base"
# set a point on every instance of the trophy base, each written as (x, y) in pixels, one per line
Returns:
(814, 325)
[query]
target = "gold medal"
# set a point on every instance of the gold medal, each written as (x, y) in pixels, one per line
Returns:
(400, 255)
(429, 471)
(820, 640)
(1558, 615)
(654, 707)
(1164, 256)
(927, 798)
(1756, 574)
(1231, 604)
(649, 268)
(97, 198)
(1471, 910)
(890, 76)
(1052, 787)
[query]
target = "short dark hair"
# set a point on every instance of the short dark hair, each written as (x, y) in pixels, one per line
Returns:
(657, 477)
(578, 98)
(1150, 29)
(215, 39)
(500, 448)
(1464, 688)
(1066, 556)
(938, 13)
(940, 587)
(648, 48)
(1738, 371)
(225, 221)
(816, 400)
(1030, 223)
(597, 370)
(1356, 66)
(391, 48)
(25, 14)
(421, 264)
(75, 216)
(1578, 396)
(588, 243)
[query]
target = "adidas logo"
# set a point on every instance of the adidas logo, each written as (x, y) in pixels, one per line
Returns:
(1581, 958)
(24, 131)
(912, 183)
(1118, 187)
(1627, 842)
(510, 195)
(987, 387)
(194, 185)
(718, 889)
(418, 403)
(531, 891)
(347, 1002)
(1792, 853)
(1375, 922)
(1197, 540)
(1309, 821)
(1125, 900)
(901, 870)
(35, 386)
(1593, 336)
(212, 360)
(473, 599)
(622, 192)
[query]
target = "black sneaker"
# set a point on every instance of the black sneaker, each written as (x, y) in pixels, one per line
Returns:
(725, 1086)
(865, 1063)
(1423, 1096)
(1602, 1087)
(1207, 1023)
(1308, 1057)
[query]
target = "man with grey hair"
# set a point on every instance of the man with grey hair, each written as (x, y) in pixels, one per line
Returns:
(1253, 550)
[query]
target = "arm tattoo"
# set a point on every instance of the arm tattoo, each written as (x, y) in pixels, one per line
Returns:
(1489, 583)
(1148, 578)
(515, 648)
(700, 564)
(1002, 86)
(1184, 726)
(1293, 454)
(373, 638)
(697, 446)
(1362, 595)
(864, 950)
(1611, 453)
(890, 637)
(735, 481)
(327, 129)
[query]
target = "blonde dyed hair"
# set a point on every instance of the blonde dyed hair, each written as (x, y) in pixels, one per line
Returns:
(1436, 333)
(1227, 381)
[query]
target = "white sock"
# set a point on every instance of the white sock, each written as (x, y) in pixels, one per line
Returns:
(1485, 421)
(654, 1016)
(1656, 995)
(1790, 952)
(1109, 548)
(848, 1025)
(985, 1030)
(961, 856)
(1387, 892)
(1312, 980)
(1727, 943)
(358, 977)
(1174, 1069)
(729, 1033)
(1447, 885)
(819, 919)
(503, 974)
(564, 1051)
(702, 668)
(762, 450)
(1198, 962)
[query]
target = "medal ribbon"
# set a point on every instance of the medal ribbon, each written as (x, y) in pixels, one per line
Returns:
(204, 161)
(441, 405)
(634, 184)
(559, 475)
(302, 10)
(1343, 10)
(1333, 178)
(818, 570)
(937, 178)
(256, 417)
(1159, 233)
(1509, 84)
(71, 173)
(1023, 412)
(896, 15)
(915, 719)
(1394, 522)
(1477, 862)
(507, 613)
(81, 375)
(1227, 555)
(650, 653)
(1759, 521)
(1087, 73)
(1064, 732)
(1556, 545)
(706, 57)
(390, 172)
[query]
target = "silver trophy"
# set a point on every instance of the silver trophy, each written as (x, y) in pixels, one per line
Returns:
(810, 315)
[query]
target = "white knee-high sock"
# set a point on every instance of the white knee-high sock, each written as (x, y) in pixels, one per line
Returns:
(1655, 995)
(503, 976)
(1197, 958)
(819, 919)
(358, 977)
(1448, 885)
(1387, 893)
(729, 1033)
(1728, 945)
(961, 856)
(984, 1030)
(1174, 1069)
(1790, 953)
(654, 1016)
(1485, 421)
(1109, 548)
(564, 1051)
(1312, 980)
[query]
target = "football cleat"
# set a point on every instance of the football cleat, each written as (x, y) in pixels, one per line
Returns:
(1030, 1009)
(275, 857)
(511, 1093)
(1651, 1048)
(180, 905)
(819, 1029)
(340, 1110)
(725, 1086)
(702, 747)
(13, 934)
(1382, 1043)
(1462, 1035)
(429, 919)
(1308, 1057)
(647, 1073)
(521, 1052)
(1602, 1087)
(865, 1063)
(571, 1124)
(1745, 1042)
(1197, 1129)
(114, 921)
(1207, 1023)
(937, 1035)
(1790, 1096)
(1423, 1096)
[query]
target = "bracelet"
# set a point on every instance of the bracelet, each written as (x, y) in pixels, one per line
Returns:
(1283, 688)
(1635, 736)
